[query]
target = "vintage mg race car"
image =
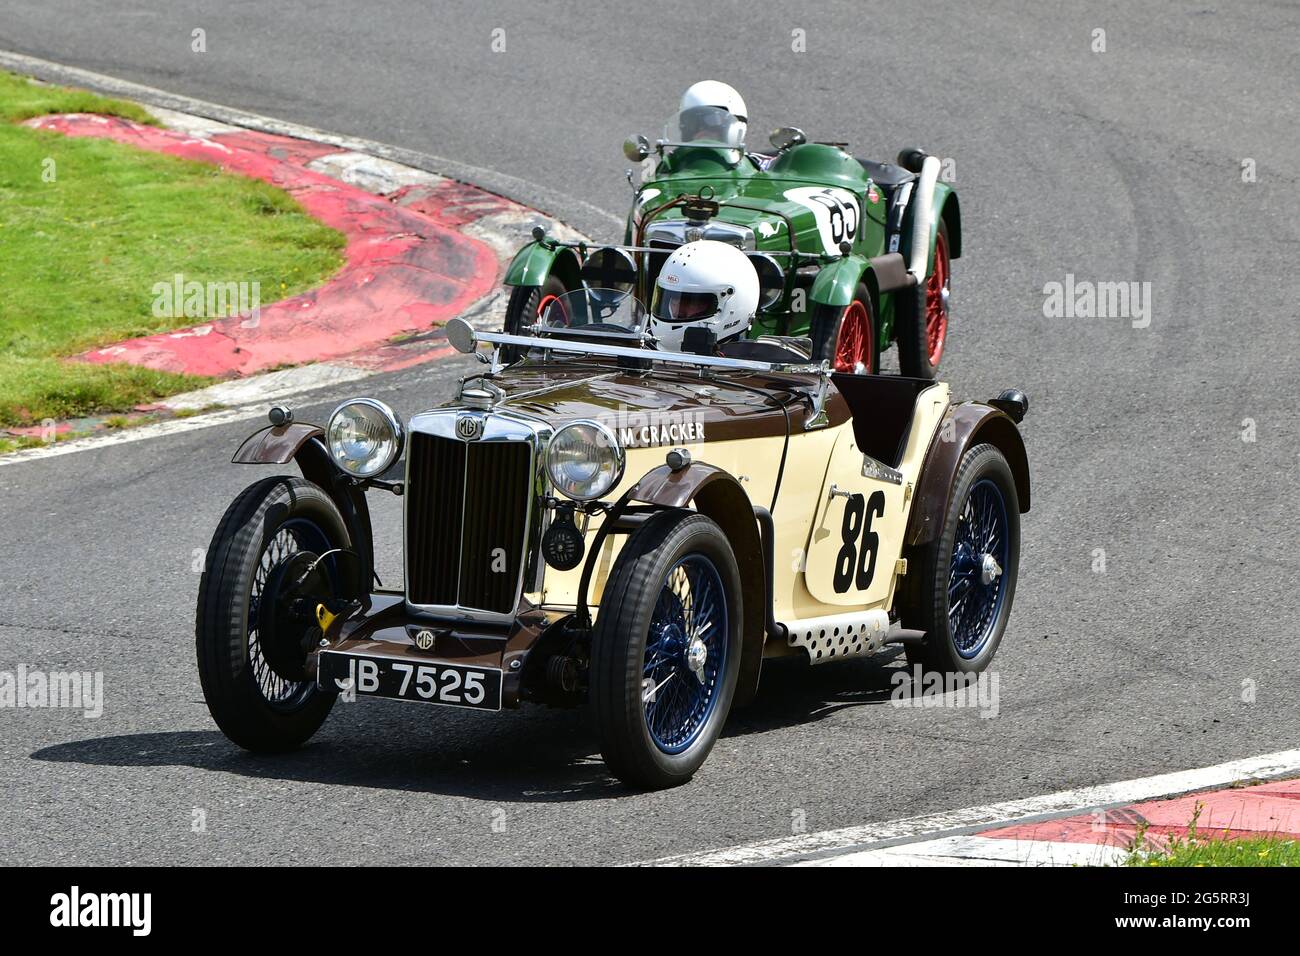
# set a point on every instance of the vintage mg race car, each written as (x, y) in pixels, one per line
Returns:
(608, 523)
(852, 253)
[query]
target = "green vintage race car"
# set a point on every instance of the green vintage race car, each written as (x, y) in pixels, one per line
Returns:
(852, 254)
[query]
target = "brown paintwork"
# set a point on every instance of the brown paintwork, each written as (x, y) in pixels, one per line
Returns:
(560, 392)
(968, 424)
(726, 405)
(386, 628)
(275, 444)
(675, 489)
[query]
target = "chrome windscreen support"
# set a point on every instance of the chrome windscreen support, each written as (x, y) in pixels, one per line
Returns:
(493, 362)
(817, 417)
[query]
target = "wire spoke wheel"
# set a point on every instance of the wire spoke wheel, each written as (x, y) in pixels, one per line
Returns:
(255, 624)
(854, 346)
(666, 649)
(937, 293)
(977, 572)
(527, 305)
(685, 652)
(292, 538)
(845, 335)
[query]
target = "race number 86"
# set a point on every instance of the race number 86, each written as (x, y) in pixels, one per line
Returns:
(855, 565)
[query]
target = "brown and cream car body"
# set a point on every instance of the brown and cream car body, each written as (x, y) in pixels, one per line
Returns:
(834, 494)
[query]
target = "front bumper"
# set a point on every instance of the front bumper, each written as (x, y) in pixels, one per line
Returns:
(386, 626)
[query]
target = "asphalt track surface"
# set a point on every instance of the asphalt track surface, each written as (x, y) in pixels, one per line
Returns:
(1114, 167)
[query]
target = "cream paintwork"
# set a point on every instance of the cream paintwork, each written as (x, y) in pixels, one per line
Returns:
(753, 461)
(806, 520)
(882, 505)
(888, 523)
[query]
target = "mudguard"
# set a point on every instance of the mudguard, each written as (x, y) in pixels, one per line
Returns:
(719, 495)
(275, 444)
(302, 443)
(948, 211)
(535, 261)
(963, 427)
(837, 283)
(945, 200)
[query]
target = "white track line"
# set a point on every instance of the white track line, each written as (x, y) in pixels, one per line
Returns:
(795, 848)
(248, 398)
(980, 851)
(139, 433)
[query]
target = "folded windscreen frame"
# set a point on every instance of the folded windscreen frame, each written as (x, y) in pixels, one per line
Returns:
(882, 407)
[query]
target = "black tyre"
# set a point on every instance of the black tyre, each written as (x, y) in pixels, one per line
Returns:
(846, 336)
(666, 650)
(968, 574)
(523, 308)
(922, 316)
(266, 526)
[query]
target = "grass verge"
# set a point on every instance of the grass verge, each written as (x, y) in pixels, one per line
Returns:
(88, 228)
(1197, 848)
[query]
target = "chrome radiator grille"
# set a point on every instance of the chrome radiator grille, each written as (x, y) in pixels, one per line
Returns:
(467, 507)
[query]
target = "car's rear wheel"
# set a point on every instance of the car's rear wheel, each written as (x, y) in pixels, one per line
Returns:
(666, 650)
(526, 304)
(968, 573)
(254, 623)
(845, 336)
(923, 335)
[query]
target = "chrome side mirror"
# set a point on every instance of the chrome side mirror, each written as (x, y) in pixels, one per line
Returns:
(636, 148)
(460, 335)
(783, 137)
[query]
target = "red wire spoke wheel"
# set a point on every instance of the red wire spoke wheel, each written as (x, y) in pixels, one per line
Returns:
(855, 345)
(936, 301)
(845, 336)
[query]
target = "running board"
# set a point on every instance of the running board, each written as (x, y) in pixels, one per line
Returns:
(838, 636)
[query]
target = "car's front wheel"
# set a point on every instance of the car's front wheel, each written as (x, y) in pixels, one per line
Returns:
(255, 620)
(525, 306)
(845, 336)
(666, 650)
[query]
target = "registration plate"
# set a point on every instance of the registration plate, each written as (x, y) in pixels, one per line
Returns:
(452, 685)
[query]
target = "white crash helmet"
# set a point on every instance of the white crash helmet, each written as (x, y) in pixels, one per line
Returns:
(705, 284)
(717, 94)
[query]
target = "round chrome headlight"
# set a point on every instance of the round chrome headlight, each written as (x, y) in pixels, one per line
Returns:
(584, 460)
(364, 437)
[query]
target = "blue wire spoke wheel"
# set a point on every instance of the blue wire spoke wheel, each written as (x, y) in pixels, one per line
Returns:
(666, 649)
(685, 655)
(977, 576)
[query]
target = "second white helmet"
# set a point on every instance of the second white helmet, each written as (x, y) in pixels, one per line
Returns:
(718, 94)
(704, 284)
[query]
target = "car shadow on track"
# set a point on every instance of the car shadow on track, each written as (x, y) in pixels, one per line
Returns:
(527, 756)
(793, 692)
